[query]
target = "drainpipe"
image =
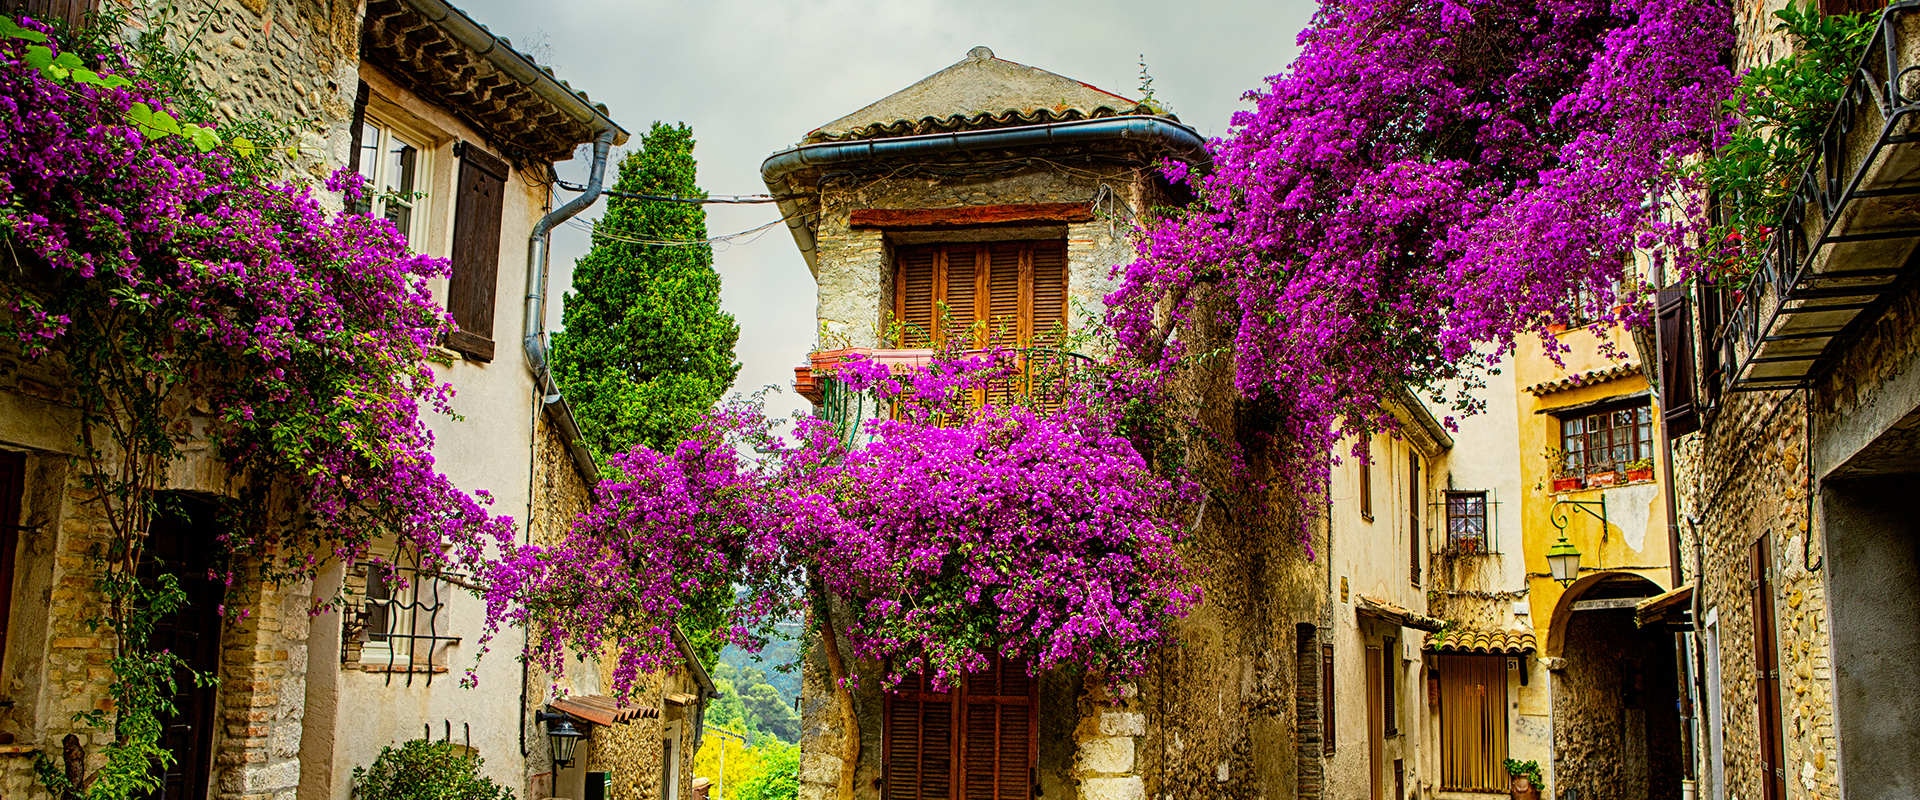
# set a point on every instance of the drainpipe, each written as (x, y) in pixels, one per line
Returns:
(535, 339)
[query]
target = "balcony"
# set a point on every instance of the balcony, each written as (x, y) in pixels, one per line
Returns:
(1039, 378)
(1847, 238)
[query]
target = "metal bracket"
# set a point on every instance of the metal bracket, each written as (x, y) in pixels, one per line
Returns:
(1559, 516)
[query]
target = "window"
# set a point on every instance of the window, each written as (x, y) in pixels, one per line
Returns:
(401, 625)
(1330, 733)
(1473, 723)
(1413, 515)
(1013, 294)
(396, 170)
(669, 764)
(1606, 440)
(1467, 522)
(13, 472)
(976, 742)
(1389, 687)
(1366, 482)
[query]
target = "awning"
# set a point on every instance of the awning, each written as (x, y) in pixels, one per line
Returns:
(1660, 606)
(602, 710)
(1383, 610)
(1464, 639)
(681, 698)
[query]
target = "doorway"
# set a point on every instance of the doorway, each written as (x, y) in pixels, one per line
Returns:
(179, 543)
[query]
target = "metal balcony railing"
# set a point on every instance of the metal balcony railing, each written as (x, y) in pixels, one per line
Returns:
(1847, 237)
(1040, 377)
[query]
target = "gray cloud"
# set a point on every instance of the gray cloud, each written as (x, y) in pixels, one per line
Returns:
(752, 77)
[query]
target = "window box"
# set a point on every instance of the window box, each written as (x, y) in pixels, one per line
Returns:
(1568, 483)
(1639, 475)
(1599, 479)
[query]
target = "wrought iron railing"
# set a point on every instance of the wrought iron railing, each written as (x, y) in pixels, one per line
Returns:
(1846, 237)
(1041, 376)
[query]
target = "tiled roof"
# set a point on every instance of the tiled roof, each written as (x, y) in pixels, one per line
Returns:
(602, 710)
(1588, 378)
(1381, 609)
(1463, 639)
(980, 91)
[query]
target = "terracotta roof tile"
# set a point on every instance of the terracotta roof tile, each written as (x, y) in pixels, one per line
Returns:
(1588, 378)
(602, 710)
(1464, 639)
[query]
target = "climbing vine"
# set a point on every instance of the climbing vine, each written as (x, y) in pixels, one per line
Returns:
(188, 299)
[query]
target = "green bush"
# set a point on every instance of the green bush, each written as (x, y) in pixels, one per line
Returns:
(425, 770)
(778, 779)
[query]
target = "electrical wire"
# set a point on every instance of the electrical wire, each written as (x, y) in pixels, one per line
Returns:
(724, 198)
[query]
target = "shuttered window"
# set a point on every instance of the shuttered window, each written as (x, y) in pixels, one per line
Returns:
(1331, 732)
(1390, 686)
(1011, 294)
(1473, 723)
(476, 250)
(1414, 501)
(13, 470)
(977, 742)
(1675, 322)
(1366, 483)
(1766, 665)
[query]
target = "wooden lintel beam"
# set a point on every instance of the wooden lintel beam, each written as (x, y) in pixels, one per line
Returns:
(970, 216)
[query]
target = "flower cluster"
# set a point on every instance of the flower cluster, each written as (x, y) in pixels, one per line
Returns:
(155, 272)
(1430, 178)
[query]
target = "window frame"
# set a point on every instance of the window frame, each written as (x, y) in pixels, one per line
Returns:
(420, 207)
(1454, 539)
(1578, 462)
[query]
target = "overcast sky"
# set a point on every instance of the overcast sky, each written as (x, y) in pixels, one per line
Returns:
(753, 76)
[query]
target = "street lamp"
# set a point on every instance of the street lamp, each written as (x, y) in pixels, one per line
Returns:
(720, 783)
(563, 735)
(1563, 560)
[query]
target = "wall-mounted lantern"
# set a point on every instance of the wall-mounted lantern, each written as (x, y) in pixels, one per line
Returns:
(564, 736)
(1563, 560)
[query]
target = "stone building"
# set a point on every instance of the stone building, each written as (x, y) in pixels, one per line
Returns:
(1006, 194)
(460, 133)
(1790, 397)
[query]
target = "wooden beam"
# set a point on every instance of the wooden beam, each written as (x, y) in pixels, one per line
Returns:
(1608, 604)
(970, 216)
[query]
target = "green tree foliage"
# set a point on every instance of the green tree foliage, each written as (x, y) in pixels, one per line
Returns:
(425, 770)
(777, 779)
(646, 347)
(751, 705)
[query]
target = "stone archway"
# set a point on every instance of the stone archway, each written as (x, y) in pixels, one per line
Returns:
(1616, 720)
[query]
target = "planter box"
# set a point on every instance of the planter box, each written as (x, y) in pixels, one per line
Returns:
(1598, 479)
(1523, 789)
(1568, 483)
(1637, 475)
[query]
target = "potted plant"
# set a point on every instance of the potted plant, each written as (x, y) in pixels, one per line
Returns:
(1599, 479)
(1640, 469)
(1526, 781)
(1565, 477)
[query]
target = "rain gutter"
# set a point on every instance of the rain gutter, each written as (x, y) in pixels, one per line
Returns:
(1179, 141)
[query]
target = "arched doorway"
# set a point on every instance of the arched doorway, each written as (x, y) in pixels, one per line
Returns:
(1616, 718)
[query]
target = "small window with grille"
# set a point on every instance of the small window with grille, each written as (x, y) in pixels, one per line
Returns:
(1467, 522)
(401, 627)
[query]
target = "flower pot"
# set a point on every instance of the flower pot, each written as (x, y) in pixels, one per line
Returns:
(1596, 479)
(1567, 483)
(1637, 475)
(1522, 789)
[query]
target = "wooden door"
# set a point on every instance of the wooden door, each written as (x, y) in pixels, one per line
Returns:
(13, 470)
(1473, 722)
(177, 544)
(1376, 726)
(1766, 665)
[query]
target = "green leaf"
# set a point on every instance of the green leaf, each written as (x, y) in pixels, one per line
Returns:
(12, 30)
(69, 60)
(202, 137)
(141, 115)
(243, 146)
(39, 57)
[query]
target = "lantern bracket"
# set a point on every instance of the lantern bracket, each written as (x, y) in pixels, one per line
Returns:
(1559, 514)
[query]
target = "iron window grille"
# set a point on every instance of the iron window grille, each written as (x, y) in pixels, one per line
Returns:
(401, 624)
(1467, 523)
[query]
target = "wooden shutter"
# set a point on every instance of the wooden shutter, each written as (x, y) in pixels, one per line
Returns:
(999, 737)
(1707, 333)
(1676, 362)
(72, 12)
(1413, 516)
(1852, 6)
(476, 250)
(918, 743)
(13, 471)
(1390, 685)
(1766, 666)
(1329, 733)
(1473, 723)
(915, 294)
(1366, 482)
(357, 131)
(1049, 310)
(1007, 320)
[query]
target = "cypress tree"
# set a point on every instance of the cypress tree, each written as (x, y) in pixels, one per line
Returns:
(646, 348)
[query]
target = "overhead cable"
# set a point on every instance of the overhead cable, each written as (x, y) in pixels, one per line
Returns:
(724, 198)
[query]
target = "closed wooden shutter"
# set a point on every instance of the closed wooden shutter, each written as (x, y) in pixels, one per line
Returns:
(919, 741)
(944, 293)
(1414, 501)
(1049, 326)
(476, 250)
(1390, 685)
(1676, 362)
(72, 12)
(1330, 732)
(1473, 723)
(1852, 6)
(978, 742)
(13, 471)
(1000, 736)
(915, 295)
(1766, 665)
